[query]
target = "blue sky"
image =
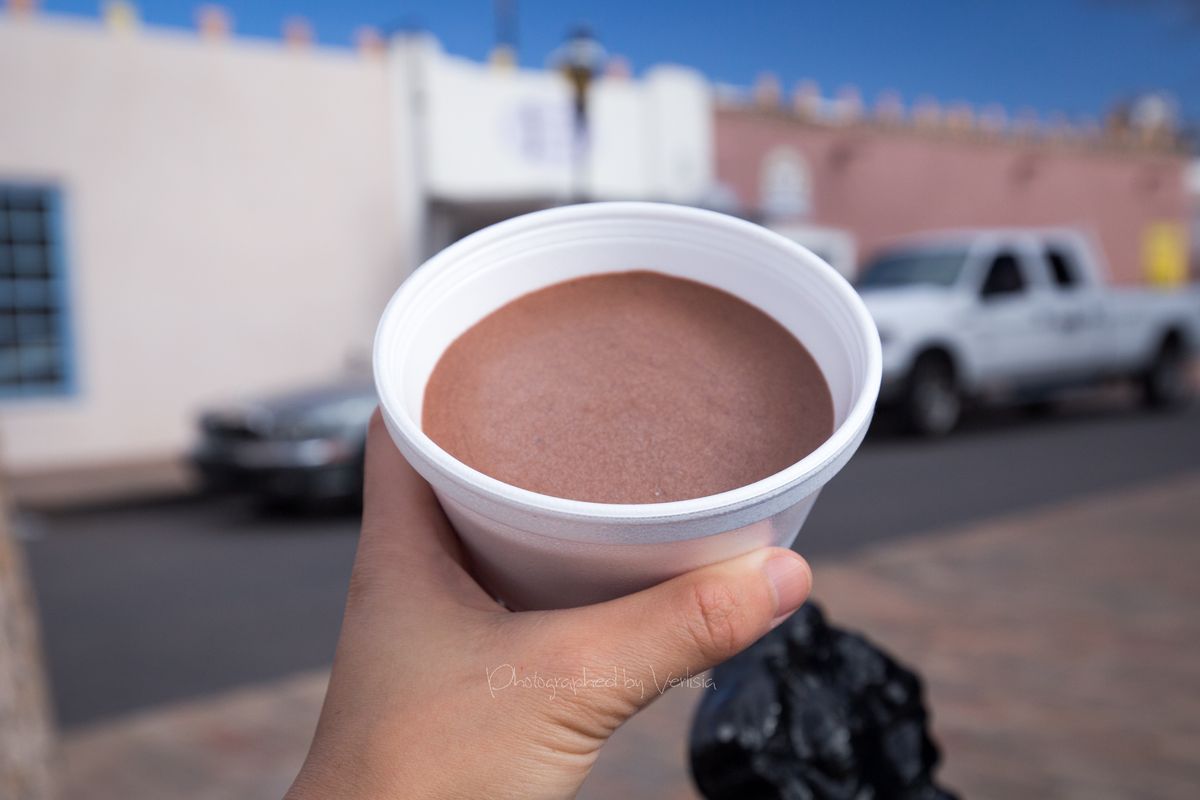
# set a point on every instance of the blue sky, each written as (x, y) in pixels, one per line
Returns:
(1070, 56)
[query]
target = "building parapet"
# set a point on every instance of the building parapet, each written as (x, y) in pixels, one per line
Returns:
(1127, 129)
(213, 23)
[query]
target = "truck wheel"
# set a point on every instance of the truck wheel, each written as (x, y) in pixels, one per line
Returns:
(1165, 383)
(932, 401)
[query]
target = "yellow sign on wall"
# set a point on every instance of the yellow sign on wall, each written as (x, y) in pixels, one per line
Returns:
(1164, 254)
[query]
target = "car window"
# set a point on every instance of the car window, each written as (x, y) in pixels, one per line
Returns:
(913, 268)
(1062, 268)
(1004, 276)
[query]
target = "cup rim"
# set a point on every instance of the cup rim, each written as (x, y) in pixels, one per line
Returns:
(844, 435)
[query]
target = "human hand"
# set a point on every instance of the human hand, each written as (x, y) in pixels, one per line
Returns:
(422, 702)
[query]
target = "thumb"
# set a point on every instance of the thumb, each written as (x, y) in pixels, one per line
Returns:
(697, 620)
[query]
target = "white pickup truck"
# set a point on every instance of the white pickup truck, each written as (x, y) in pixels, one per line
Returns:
(1015, 316)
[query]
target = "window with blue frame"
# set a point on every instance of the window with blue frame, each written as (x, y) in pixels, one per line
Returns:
(35, 354)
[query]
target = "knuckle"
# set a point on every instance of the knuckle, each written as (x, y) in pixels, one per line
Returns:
(716, 620)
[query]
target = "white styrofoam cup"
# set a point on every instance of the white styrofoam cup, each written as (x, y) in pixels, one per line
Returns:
(537, 551)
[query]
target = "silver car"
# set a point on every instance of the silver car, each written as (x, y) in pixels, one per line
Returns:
(293, 447)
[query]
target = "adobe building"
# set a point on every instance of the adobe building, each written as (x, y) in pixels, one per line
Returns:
(479, 143)
(889, 171)
(188, 217)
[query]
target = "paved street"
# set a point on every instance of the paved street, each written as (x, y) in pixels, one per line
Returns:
(1053, 645)
(144, 604)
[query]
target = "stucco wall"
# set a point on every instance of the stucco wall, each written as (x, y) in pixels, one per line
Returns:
(229, 216)
(881, 184)
(503, 135)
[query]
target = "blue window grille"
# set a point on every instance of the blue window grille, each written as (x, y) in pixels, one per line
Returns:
(35, 346)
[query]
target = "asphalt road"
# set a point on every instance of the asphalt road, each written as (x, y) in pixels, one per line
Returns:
(143, 604)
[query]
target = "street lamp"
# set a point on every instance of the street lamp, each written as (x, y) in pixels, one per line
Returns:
(579, 59)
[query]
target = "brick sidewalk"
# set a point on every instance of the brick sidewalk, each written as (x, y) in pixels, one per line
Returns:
(1059, 649)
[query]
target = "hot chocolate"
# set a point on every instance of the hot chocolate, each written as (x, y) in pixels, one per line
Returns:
(629, 387)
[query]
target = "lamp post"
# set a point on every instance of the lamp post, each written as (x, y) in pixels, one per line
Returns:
(579, 59)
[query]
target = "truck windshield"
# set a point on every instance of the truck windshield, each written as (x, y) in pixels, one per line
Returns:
(913, 267)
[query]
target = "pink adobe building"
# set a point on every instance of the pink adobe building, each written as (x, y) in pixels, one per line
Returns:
(882, 177)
